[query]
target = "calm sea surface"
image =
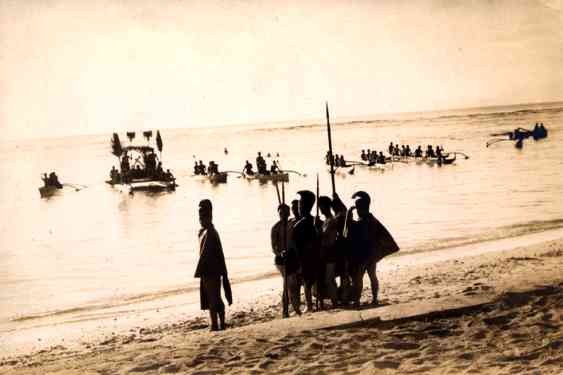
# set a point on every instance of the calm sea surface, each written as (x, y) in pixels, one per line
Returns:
(98, 247)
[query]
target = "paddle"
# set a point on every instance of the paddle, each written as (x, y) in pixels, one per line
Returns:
(240, 174)
(77, 187)
(493, 141)
(461, 153)
(292, 171)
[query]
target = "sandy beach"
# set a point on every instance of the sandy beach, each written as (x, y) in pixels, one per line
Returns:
(499, 312)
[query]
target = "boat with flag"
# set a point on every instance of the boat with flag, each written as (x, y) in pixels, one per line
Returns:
(140, 168)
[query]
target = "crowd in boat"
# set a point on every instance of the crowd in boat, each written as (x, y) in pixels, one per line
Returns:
(149, 168)
(337, 160)
(201, 170)
(261, 166)
(52, 180)
(538, 132)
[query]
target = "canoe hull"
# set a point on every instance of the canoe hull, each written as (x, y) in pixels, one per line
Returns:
(48, 191)
(146, 185)
(278, 177)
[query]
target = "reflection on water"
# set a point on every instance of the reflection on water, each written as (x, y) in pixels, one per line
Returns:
(100, 247)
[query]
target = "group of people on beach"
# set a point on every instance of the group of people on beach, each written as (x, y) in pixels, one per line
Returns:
(314, 253)
(308, 252)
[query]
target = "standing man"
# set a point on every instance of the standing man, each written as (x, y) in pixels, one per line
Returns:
(328, 235)
(370, 242)
(286, 261)
(306, 243)
(211, 268)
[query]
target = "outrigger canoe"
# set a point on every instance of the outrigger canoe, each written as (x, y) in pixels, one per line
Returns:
(217, 178)
(277, 177)
(48, 191)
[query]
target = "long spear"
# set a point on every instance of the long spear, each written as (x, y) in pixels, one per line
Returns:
(330, 157)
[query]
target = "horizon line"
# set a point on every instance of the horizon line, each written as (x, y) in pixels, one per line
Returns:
(301, 122)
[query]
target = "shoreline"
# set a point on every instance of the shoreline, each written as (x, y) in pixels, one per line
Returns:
(486, 275)
(32, 335)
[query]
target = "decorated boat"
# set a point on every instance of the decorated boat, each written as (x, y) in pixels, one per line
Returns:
(140, 169)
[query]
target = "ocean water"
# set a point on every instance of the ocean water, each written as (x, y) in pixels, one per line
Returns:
(97, 248)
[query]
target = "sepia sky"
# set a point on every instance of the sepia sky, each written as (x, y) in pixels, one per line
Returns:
(82, 67)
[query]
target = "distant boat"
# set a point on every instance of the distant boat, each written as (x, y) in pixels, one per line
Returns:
(140, 168)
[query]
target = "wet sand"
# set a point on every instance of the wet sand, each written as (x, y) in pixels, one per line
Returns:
(491, 313)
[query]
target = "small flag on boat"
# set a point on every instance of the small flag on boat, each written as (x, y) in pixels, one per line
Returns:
(147, 134)
(158, 141)
(116, 145)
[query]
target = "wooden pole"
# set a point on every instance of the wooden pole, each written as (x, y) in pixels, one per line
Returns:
(278, 192)
(330, 157)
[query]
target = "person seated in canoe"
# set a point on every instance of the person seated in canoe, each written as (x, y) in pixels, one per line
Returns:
(168, 176)
(125, 164)
(45, 179)
(372, 157)
(430, 152)
(261, 164)
(539, 131)
(397, 152)
(274, 168)
(342, 161)
(336, 160)
(137, 172)
(543, 131)
(381, 158)
(150, 163)
(418, 152)
(408, 151)
(213, 168)
(391, 149)
(247, 170)
(114, 175)
(53, 180)
(202, 169)
(439, 152)
(159, 172)
(363, 155)
(196, 169)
